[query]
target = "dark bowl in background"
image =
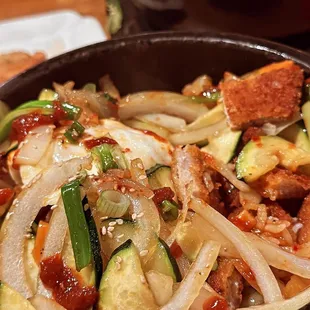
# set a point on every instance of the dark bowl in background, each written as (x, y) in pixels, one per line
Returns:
(165, 61)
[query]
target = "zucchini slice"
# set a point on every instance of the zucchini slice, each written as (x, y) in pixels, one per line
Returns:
(123, 285)
(10, 299)
(261, 155)
(161, 177)
(223, 146)
(305, 109)
(297, 135)
(162, 261)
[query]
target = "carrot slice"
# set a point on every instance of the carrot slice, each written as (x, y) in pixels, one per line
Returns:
(40, 240)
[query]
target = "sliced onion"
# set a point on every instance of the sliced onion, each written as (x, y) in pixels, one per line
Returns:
(260, 268)
(172, 123)
(191, 285)
(32, 149)
(160, 285)
(275, 129)
(148, 224)
(20, 217)
(112, 203)
(194, 136)
(138, 172)
(160, 102)
(226, 172)
(40, 302)
(294, 303)
(206, 292)
(107, 85)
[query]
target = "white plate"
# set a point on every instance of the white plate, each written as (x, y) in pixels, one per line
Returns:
(52, 33)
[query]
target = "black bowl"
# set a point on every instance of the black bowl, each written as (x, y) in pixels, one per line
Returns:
(156, 61)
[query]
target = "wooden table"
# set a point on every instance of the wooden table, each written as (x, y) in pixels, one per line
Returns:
(18, 8)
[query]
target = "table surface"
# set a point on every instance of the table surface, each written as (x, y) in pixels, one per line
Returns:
(17, 8)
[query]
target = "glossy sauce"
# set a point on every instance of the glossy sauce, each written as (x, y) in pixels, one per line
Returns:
(89, 144)
(65, 285)
(153, 134)
(6, 194)
(176, 250)
(215, 303)
(257, 141)
(161, 194)
(243, 222)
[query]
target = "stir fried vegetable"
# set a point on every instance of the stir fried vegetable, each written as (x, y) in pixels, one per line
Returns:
(77, 224)
(198, 200)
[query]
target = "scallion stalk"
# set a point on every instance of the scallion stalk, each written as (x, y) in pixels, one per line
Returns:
(169, 210)
(111, 99)
(103, 155)
(207, 96)
(74, 132)
(78, 228)
(73, 112)
(112, 204)
(48, 94)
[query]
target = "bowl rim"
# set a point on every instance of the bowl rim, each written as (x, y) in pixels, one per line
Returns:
(217, 38)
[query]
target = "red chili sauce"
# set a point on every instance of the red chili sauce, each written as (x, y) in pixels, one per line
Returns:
(161, 194)
(153, 134)
(176, 250)
(257, 141)
(215, 303)
(65, 285)
(25, 123)
(95, 142)
(6, 194)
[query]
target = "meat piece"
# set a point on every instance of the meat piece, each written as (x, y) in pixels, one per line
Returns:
(191, 173)
(304, 217)
(277, 211)
(269, 95)
(228, 282)
(282, 184)
(14, 63)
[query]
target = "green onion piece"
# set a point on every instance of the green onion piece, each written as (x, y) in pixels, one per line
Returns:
(73, 112)
(77, 224)
(115, 16)
(48, 94)
(112, 204)
(109, 98)
(169, 210)
(119, 157)
(207, 96)
(102, 154)
(74, 132)
(91, 87)
(5, 124)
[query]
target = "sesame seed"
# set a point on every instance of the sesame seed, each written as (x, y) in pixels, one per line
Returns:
(152, 196)
(133, 216)
(144, 253)
(35, 147)
(53, 207)
(115, 187)
(110, 234)
(119, 259)
(132, 190)
(140, 166)
(123, 189)
(111, 228)
(113, 223)
(118, 265)
(142, 279)
(104, 218)
(140, 215)
(103, 230)
(9, 214)
(142, 177)
(119, 221)
(28, 236)
(120, 236)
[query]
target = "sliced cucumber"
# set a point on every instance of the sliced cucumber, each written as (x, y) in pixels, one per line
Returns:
(223, 146)
(10, 299)
(123, 284)
(264, 153)
(161, 177)
(297, 135)
(162, 261)
(305, 109)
